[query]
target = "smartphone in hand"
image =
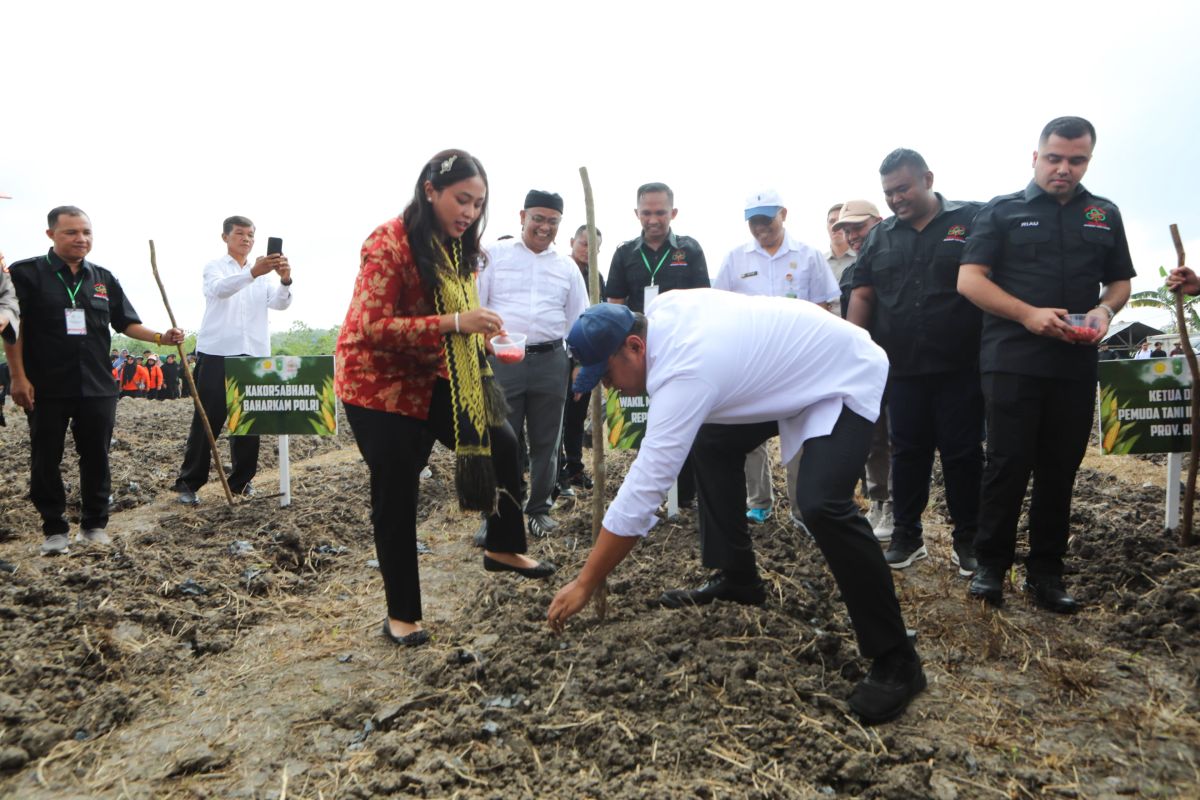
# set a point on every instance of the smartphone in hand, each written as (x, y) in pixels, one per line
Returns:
(274, 246)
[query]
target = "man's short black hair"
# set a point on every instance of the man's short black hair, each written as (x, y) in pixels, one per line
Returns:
(229, 223)
(63, 211)
(639, 325)
(1067, 128)
(652, 188)
(903, 157)
(583, 228)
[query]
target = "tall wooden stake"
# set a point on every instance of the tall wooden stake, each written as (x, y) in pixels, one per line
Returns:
(1189, 496)
(598, 476)
(187, 374)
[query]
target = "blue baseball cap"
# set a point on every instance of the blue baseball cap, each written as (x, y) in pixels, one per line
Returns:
(597, 334)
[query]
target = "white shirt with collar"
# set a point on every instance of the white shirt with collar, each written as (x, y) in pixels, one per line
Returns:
(796, 270)
(730, 359)
(235, 314)
(537, 294)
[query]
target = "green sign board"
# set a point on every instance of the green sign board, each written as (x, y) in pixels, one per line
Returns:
(626, 419)
(1145, 406)
(280, 395)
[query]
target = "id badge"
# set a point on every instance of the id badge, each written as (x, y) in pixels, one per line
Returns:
(76, 322)
(650, 293)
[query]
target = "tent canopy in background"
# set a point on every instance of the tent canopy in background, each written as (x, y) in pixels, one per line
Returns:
(1129, 334)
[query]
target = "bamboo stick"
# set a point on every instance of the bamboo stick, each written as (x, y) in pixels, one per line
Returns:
(187, 374)
(598, 476)
(1189, 496)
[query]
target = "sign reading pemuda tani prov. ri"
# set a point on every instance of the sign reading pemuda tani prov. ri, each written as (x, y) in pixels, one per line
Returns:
(1145, 406)
(280, 395)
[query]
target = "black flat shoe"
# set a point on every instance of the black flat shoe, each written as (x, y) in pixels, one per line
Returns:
(411, 640)
(544, 569)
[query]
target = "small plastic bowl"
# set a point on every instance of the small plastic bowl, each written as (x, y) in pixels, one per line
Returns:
(1082, 328)
(509, 348)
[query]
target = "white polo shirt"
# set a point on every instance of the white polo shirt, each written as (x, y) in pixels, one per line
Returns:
(712, 356)
(537, 294)
(796, 270)
(235, 314)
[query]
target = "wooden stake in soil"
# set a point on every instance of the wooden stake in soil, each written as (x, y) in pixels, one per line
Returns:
(187, 374)
(1189, 496)
(598, 478)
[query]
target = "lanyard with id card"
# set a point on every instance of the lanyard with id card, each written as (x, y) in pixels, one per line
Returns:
(76, 319)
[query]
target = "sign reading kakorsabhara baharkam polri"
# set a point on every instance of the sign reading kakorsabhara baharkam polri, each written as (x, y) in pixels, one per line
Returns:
(280, 395)
(1145, 406)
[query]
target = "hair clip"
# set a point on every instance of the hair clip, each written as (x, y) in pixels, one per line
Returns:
(447, 165)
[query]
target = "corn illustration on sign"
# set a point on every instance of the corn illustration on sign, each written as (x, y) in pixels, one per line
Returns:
(1145, 406)
(625, 418)
(279, 395)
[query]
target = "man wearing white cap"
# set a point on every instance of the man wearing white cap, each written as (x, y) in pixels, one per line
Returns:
(773, 264)
(856, 220)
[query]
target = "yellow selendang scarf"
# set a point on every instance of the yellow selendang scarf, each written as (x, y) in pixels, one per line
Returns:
(477, 400)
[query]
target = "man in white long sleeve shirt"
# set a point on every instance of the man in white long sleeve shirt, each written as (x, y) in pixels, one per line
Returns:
(538, 292)
(237, 297)
(725, 373)
(774, 265)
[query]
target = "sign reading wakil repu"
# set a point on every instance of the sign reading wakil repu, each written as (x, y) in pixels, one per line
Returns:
(280, 395)
(1145, 406)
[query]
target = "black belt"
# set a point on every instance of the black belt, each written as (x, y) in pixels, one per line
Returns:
(544, 347)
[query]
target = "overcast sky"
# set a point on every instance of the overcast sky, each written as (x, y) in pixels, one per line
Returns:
(161, 119)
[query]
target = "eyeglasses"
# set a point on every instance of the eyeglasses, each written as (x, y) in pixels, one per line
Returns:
(538, 219)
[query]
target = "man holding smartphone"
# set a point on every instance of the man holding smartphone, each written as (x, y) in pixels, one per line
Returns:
(237, 297)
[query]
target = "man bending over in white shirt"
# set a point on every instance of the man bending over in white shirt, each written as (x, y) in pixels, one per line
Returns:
(726, 372)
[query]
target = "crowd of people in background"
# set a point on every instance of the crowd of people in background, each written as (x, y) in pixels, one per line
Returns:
(868, 360)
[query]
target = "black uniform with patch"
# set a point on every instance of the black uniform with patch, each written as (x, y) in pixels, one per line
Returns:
(1040, 393)
(683, 267)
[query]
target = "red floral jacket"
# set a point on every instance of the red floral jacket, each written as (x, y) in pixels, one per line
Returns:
(389, 351)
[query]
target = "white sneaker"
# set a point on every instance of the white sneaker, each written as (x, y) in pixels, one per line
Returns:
(874, 512)
(885, 524)
(56, 545)
(799, 523)
(95, 536)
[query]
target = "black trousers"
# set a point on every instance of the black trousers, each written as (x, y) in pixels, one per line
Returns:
(942, 411)
(209, 375)
(395, 448)
(574, 415)
(91, 420)
(829, 468)
(1037, 426)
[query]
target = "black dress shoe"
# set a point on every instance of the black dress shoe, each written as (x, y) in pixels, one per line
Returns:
(544, 569)
(719, 587)
(987, 584)
(895, 679)
(411, 640)
(1049, 592)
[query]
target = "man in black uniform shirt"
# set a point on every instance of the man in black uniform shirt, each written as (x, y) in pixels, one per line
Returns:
(1033, 257)
(658, 258)
(905, 291)
(657, 261)
(61, 372)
